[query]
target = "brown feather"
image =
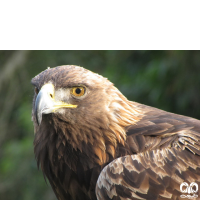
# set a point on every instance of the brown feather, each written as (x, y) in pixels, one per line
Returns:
(121, 149)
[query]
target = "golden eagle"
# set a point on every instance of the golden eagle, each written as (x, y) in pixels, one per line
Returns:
(92, 143)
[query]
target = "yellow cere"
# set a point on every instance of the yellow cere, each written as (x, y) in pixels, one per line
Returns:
(61, 104)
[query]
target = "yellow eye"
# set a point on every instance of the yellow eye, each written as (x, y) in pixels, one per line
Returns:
(78, 91)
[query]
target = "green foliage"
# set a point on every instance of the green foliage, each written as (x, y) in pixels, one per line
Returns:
(167, 80)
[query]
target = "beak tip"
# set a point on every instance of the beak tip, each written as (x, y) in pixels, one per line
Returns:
(39, 118)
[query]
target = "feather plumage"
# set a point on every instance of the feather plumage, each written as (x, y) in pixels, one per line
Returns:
(118, 148)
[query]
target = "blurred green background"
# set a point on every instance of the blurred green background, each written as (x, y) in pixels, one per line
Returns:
(169, 80)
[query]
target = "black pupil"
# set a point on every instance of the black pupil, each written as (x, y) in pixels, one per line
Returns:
(78, 91)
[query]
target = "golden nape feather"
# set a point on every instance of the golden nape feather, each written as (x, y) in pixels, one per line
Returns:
(92, 143)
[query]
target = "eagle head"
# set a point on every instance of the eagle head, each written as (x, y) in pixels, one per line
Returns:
(76, 107)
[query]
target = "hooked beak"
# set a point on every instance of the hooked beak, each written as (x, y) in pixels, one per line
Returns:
(45, 102)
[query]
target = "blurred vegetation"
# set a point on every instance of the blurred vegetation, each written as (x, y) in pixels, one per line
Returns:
(168, 80)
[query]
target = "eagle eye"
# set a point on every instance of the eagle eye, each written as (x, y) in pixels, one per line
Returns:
(78, 91)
